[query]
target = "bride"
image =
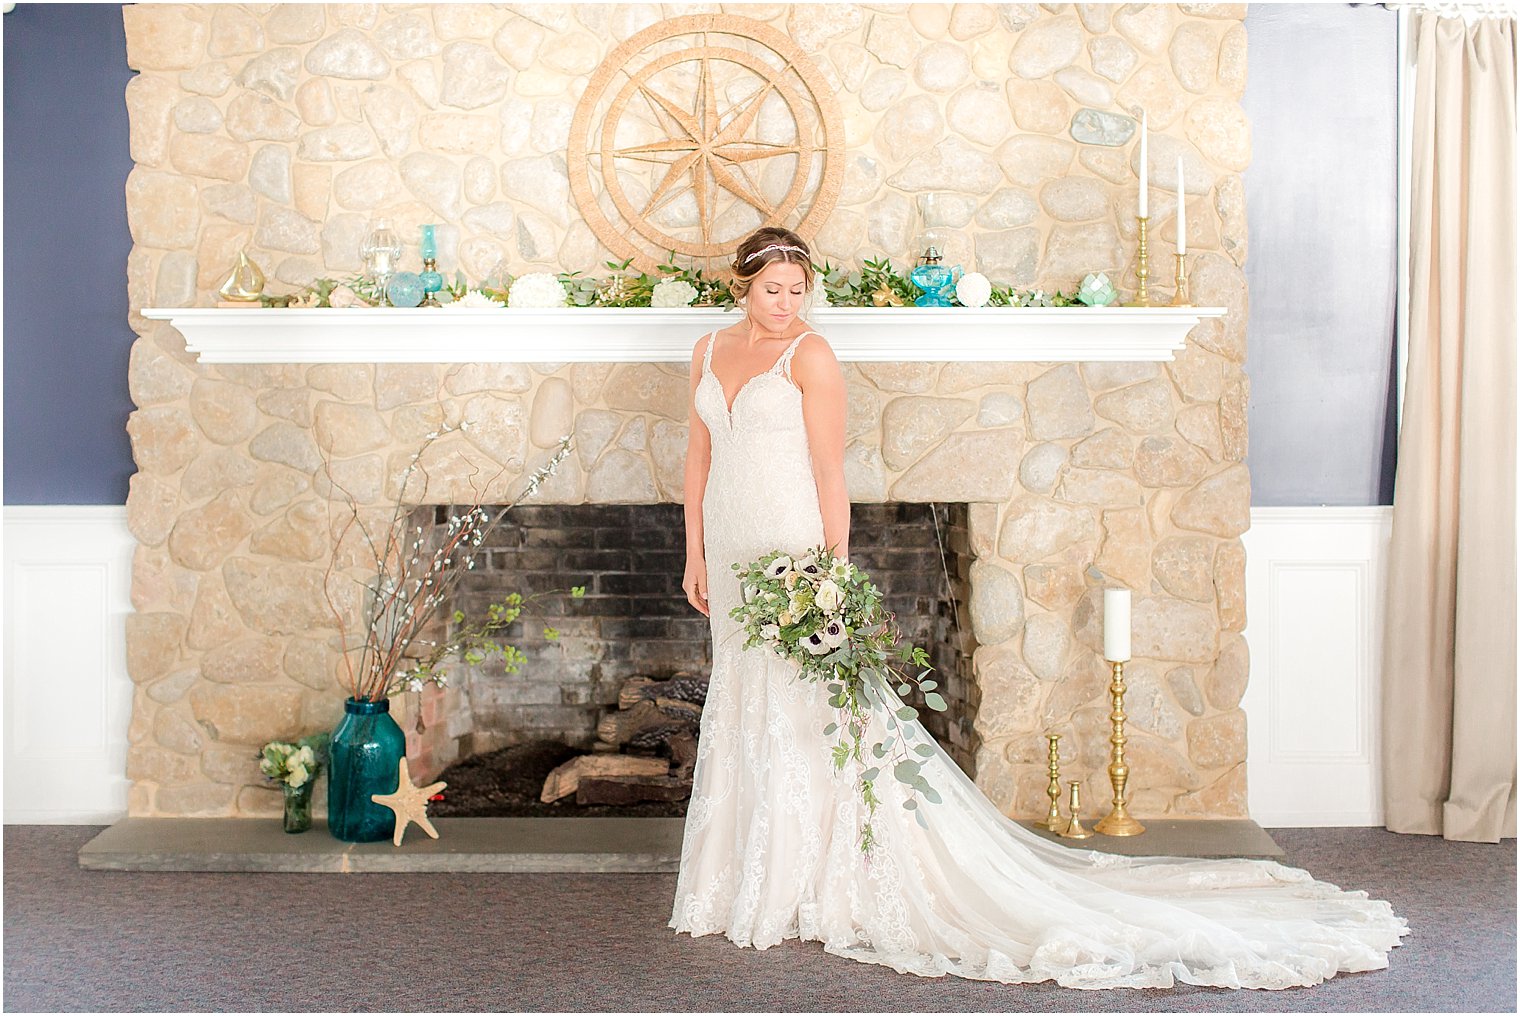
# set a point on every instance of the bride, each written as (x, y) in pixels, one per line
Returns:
(771, 847)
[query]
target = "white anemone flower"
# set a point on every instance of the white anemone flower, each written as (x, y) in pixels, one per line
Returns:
(815, 644)
(833, 634)
(779, 567)
(809, 566)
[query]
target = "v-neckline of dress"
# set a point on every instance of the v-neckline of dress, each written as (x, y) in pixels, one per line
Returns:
(728, 407)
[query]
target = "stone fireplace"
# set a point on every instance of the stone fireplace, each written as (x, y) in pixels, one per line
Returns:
(634, 620)
(281, 129)
(1074, 477)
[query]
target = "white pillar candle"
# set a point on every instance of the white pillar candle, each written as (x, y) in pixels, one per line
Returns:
(1144, 119)
(1181, 211)
(1116, 625)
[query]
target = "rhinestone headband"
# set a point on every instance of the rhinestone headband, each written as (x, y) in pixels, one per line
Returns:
(774, 246)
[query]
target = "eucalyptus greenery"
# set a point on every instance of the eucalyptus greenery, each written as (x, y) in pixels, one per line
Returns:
(876, 283)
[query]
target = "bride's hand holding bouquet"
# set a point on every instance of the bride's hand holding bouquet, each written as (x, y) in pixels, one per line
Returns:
(825, 615)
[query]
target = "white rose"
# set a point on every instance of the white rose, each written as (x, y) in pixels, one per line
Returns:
(973, 290)
(673, 293)
(770, 632)
(828, 596)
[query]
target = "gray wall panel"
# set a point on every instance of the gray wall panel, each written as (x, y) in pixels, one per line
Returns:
(1322, 206)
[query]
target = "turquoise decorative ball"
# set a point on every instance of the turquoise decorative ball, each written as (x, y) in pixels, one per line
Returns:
(405, 289)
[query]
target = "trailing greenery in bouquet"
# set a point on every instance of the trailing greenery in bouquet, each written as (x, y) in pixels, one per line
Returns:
(825, 615)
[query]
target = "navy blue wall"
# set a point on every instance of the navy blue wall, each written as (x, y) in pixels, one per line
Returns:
(66, 244)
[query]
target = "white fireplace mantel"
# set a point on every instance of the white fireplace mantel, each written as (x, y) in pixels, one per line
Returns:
(607, 335)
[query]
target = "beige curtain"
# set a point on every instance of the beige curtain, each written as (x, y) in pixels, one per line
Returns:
(1449, 655)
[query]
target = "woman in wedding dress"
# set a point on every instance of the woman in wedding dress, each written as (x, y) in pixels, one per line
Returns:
(771, 846)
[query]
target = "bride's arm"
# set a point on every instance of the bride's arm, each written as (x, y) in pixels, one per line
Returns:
(698, 460)
(824, 405)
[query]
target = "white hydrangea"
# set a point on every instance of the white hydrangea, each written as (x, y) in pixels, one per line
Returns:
(673, 293)
(537, 290)
(973, 290)
(474, 299)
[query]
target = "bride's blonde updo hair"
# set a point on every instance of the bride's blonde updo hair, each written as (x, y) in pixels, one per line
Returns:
(766, 246)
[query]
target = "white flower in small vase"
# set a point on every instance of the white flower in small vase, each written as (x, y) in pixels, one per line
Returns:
(537, 291)
(672, 293)
(973, 290)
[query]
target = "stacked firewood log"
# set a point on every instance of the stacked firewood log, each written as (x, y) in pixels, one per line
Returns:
(645, 750)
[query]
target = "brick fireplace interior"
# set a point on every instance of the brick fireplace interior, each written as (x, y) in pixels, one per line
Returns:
(634, 622)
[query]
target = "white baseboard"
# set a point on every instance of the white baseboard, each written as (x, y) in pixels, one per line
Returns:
(68, 698)
(1314, 606)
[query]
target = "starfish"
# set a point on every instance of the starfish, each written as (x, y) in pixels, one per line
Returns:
(409, 802)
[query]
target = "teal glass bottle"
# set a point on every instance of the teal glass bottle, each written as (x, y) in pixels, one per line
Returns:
(365, 757)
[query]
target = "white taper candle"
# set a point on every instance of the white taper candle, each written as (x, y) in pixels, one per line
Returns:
(1181, 211)
(1116, 625)
(1144, 158)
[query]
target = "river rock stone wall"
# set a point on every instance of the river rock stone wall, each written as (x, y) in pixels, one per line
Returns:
(282, 128)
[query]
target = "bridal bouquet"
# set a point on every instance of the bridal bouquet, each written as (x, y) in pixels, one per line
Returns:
(824, 614)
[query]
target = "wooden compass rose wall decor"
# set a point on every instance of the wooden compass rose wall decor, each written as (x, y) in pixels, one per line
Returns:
(696, 131)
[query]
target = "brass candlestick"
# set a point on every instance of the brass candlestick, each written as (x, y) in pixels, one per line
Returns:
(1118, 822)
(1181, 297)
(1053, 820)
(1074, 829)
(1143, 266)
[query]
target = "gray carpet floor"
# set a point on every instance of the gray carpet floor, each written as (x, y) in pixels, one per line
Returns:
(83, 940)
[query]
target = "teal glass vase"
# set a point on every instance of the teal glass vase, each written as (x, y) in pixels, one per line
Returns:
(364, 759)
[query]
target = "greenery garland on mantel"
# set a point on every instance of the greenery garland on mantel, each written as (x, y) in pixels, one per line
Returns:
(875, 284)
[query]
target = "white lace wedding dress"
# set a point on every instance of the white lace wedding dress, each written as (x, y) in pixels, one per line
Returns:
(771, 848)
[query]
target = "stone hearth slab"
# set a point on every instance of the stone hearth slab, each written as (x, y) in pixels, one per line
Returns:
(526, 845)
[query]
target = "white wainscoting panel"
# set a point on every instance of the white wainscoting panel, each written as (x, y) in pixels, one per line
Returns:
(68, 699)
(1314, 606)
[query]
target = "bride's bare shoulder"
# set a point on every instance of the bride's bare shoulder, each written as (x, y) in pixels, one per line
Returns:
(814, 346)
(814, 358)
